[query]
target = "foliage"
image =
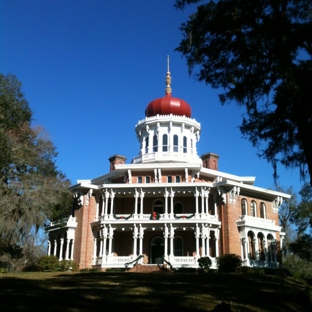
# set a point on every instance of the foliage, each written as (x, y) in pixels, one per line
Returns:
(48, 263)
(260, 54)
(298, 267)
(204, 263)
(32, 190)
(228, 263)
(4, 270)
(68, 265)
(302, 247)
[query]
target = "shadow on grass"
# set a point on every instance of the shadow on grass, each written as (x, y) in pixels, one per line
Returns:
(149, 292)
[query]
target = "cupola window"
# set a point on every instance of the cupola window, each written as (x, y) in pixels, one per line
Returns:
(155, 143)
(175, 143)
(165, 143)
(184, 144)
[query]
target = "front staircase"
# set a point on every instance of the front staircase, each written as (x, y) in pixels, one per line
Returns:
(147, 268)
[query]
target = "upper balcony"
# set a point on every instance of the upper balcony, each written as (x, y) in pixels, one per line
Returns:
(255, 222)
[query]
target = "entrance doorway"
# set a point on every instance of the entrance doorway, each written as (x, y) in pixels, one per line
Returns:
(156, 250)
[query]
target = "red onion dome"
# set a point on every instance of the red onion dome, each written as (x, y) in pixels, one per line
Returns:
(168, 105)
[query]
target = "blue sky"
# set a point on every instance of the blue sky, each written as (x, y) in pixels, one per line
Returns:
(90, 68)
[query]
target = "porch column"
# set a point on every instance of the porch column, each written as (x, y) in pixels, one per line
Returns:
(112, 196)
(61, 249)
(256, 246)
(103, 205)
(217, 242)
(142, 208)
(141, 235)
(186, 174)
(135, 241)
(136, 196)
(215, 204)
(171, 203)
(197, 241)
(110, 240)
(196, 194)
(67, 249)
(106, 195)
(203, 235)
(202, 196)
(94, 250)
(55, 247)
(243, 248)
(166, 195)
(159, 175)
(155, 176)
(49, 248)
(207, 241)
(171, 243)
(72, 250)
(265, 244)
(104, 233)
(206, 200)
(166, 234)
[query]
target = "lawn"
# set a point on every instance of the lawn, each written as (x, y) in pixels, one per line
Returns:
(164, 291)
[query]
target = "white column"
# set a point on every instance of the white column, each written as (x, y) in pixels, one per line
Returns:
(61, 249)
(94, 250)
(135, 240)
(203, 235)
(49, 248)
(206, 200)
(55, 247)
(110, 240)
(207, 241)
(159, 175)
(256, 246)
(155, 176)
(243, 249)
(171, 242)
(217, 242)
(141, 235)
(166, 195)
(196, 194)
(67, 249)
(112, 196)
(104, 259)
(97, 198)
(202, 195)
(136, 196)
(106, 194)
(166, 234)
(142, 207)
(265, 244)
(186, 174)
(72, 249)
(171, 203)
(197, 235)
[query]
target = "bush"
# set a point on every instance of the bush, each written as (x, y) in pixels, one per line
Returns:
(48, 263)
(68, 265)
(228, 263)
(297, 267)
(204, 263)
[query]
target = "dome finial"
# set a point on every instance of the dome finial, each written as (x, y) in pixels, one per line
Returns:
(168, 78)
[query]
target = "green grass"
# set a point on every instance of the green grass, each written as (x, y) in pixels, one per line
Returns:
(100, 291)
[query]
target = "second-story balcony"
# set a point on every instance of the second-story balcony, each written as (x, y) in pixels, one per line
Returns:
(255, 222)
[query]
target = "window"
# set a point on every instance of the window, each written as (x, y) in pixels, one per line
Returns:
(165, 143)
(147, 179)
(253, 209)
(262, 211)
(139, 179)
(177, 179)
(169, 179)
(192, 146)
(177, 208)
(244, 207)
(184, 144)
(178, 246)
(146, 145)
(155, 143)
(158, 206)
(175, 143)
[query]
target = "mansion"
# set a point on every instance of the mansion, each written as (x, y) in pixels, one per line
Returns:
(168, 206)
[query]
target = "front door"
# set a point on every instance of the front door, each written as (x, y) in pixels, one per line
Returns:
(157, 250)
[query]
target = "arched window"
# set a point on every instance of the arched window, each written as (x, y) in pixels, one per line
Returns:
(178, 247)
(169, 179)
(244, 206)
(184, 144)
(253, 209)
(158, 206)
(261, 250)
(177, 208)
(146, 145)
(165, 143)
(177, 179)
(175, 143)
(139, 179)
(147, 179)
(251, 245)
(155, 143)
(262, 211)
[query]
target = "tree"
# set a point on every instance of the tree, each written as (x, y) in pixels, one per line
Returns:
(260, 54)
(31, 187)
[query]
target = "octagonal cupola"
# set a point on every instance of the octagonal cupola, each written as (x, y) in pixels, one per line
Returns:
(168, 133)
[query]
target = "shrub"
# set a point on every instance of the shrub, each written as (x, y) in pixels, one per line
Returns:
(48, 263)
(67, 265)
(228, 263)
(204, 263)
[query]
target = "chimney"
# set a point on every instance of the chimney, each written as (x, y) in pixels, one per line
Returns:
(210, 161)
(116, 160)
